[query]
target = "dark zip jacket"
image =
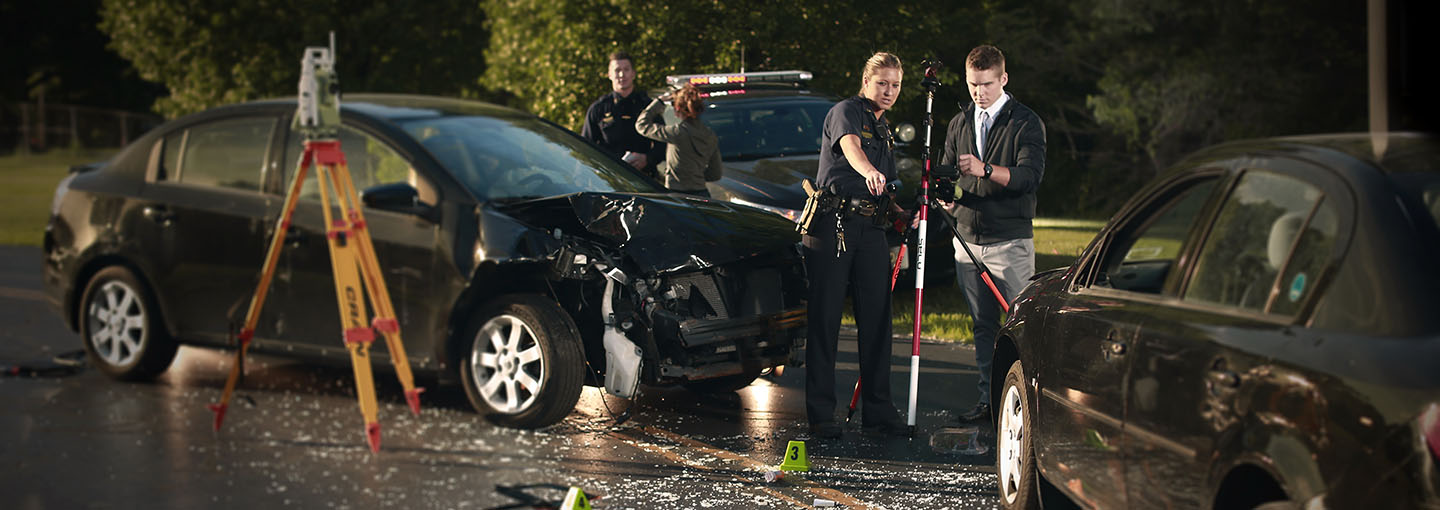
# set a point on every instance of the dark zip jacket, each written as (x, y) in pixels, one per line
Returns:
(988, 212)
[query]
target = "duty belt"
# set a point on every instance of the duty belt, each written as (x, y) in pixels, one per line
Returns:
(857, 205)
(829, 202)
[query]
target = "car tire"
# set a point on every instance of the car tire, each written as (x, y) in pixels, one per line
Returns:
(121, 327)
(1014, 455)
(723, 384)
(522, 363)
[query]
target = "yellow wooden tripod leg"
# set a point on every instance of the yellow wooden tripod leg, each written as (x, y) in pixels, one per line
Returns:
(267, 272)
(385, 321)
(350, 297)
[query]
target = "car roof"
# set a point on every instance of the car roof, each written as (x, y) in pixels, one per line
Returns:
(1401, 152)
(401, 107)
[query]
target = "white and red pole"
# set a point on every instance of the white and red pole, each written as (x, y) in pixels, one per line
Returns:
(930, 83)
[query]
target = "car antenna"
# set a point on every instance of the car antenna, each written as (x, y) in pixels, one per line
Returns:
(352, 255)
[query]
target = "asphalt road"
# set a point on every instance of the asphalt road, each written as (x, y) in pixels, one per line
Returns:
(293, 437)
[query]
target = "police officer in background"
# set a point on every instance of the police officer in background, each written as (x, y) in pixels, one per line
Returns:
(845, 247)
(610, 120)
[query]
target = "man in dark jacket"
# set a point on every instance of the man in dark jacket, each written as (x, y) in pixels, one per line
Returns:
(998, 145)
(610, 120)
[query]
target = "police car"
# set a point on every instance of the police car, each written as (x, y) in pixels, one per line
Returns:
(769, 125)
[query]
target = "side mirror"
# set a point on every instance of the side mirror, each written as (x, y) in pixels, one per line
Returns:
(398, 197)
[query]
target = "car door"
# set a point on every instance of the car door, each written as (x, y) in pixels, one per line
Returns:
(204, 221)
(1092, 333)
(405, 247)
(1259, 263)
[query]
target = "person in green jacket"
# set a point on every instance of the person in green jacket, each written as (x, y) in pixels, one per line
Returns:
(692, 154)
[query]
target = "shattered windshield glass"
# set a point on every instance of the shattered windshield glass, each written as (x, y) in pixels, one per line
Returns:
(509, 158)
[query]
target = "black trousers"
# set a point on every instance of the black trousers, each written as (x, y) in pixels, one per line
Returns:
(863, 269)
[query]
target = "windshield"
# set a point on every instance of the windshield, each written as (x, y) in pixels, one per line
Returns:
(765, 129)
(508, 158)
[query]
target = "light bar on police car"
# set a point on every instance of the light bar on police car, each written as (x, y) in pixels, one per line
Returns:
(700, 80)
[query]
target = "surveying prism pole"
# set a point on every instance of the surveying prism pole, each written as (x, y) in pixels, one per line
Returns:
(352, 254)
(930, 83)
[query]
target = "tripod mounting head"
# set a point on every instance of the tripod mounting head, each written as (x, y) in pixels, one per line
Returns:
(317, 113)
(931, 65)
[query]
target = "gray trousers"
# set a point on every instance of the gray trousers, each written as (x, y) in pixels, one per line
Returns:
(1011, 265)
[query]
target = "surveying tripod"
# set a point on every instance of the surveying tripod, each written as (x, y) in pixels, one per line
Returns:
(352, 255)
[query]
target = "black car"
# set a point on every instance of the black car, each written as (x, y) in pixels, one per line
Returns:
(1255, 329)
(515, 252)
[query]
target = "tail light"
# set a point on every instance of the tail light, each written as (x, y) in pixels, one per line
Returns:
(1430, 429)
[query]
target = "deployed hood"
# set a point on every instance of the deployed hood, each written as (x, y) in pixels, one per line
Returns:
(662, 233)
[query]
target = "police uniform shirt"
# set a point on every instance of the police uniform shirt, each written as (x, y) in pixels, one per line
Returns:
(610, 122)
(854, 116)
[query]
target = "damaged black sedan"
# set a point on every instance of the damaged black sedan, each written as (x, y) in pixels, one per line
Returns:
(522, 261)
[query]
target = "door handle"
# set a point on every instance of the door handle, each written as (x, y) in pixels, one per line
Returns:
(1224, 378)
(158, 214)
(1112, 346)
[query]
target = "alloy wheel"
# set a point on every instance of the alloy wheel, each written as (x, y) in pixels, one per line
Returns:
(117, 322)
(1011, 443)
(508, 364)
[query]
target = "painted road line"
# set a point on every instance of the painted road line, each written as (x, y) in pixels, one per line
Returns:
(812, 487)
(758, 468)
(648, 446)
(23, 294)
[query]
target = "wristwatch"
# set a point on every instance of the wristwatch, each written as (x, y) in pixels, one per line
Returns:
(988, 169)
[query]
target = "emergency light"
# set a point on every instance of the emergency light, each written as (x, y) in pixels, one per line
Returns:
(703, 80)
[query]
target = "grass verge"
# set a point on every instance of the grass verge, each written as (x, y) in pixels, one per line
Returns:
(946, 317)
(30, 181)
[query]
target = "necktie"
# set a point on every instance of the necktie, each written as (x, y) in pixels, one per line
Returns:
(984, 130)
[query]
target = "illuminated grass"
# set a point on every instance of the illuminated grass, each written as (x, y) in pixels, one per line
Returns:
(946, 317)
(29, 186)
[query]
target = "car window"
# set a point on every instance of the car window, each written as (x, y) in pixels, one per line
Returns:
(1140, 258)
(1273, 237)
(513, 158)
(750, 130)
(170, 156)
(228, 153)
(371, 161)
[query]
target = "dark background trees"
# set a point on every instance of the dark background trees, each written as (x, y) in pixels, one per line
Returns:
(1126, 87)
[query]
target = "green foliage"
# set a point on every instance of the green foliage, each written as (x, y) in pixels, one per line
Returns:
(213, 53)
(1183, 75)
(552, 56)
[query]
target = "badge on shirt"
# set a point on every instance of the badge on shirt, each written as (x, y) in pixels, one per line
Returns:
(626, 117)
(607, 118)
(867, 134)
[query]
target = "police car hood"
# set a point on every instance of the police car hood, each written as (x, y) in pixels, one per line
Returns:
(772, 181)
(662, 233)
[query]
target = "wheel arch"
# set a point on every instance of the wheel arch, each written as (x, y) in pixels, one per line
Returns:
(87, 272)
(1246, 485)
(489, 281)
(1276, 466)
(1006, 354)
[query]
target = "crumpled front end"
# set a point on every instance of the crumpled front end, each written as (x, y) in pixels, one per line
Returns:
(705, 289)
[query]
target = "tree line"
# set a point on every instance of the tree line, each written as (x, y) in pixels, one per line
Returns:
(1126, 87)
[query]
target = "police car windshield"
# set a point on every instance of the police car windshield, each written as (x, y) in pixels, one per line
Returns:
(522, 157)
(751, 130)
